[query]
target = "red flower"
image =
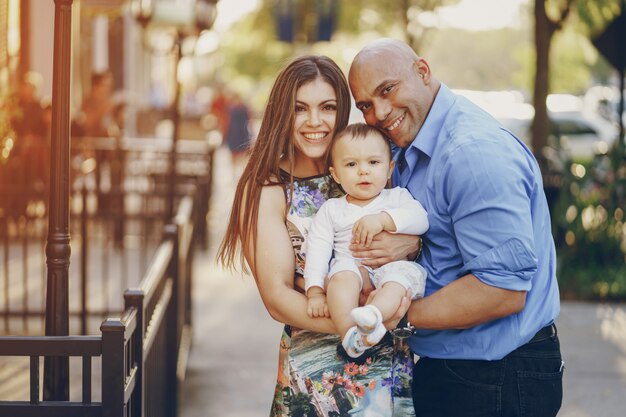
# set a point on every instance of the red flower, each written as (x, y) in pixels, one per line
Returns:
(358, 389)
(347, 384)
(363, 369)
(351, 369)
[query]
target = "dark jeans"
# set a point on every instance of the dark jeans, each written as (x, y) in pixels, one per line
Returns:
(525, 383)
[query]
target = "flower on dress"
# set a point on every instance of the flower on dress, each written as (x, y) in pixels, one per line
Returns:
(309, 196)
(351, 369)
(391, 381)
(329, 379)
(317, 198)
(348, 384)
(358, 389)
(372, 385)
(363, 369)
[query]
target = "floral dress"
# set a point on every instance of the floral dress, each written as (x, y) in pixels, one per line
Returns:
(315, 376)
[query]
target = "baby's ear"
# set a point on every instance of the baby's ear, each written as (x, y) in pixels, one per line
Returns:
(334, 174)
(392, 165)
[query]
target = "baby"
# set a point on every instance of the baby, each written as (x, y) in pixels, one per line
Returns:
(360, 161)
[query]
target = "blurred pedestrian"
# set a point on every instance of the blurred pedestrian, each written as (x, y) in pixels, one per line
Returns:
(219, 109)
(97, 106)
(97, 120)
(29, 119)
(32, 133)
(237, 135)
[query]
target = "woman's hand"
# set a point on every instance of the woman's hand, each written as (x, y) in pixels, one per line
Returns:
(386, 247)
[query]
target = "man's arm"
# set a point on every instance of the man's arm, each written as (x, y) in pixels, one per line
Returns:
(464, 303)
(387, 247)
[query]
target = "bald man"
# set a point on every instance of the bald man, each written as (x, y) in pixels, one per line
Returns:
(485, 329)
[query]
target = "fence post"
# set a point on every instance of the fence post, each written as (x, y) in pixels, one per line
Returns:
(113, 372)
(84, 259)
(172, 231)
(134, 297)
(57, 369)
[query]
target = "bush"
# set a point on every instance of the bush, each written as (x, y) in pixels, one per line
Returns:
(590, 229)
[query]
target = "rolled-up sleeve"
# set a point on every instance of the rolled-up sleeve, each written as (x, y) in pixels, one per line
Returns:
(488, 197)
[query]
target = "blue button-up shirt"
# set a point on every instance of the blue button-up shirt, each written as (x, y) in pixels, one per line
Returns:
(488, 215)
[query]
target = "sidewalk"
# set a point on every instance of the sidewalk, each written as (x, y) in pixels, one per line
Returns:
(233, 363)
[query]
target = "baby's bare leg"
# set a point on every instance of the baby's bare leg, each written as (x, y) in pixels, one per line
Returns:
(342, 295)
(370, 318)
(388, 298)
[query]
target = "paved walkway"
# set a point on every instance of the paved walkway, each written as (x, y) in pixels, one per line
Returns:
(233, 362)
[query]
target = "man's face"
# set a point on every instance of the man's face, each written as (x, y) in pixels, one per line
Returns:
(392, 94)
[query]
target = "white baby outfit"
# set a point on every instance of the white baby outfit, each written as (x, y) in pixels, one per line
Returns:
(327, 244)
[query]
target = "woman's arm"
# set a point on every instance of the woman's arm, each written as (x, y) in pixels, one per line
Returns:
(275, 266)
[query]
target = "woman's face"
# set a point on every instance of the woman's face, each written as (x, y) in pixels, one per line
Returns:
(315, 115)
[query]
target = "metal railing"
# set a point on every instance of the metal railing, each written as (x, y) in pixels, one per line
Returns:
(143, 353)
(116, 223)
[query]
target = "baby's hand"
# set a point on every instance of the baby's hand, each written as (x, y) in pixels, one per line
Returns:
(317, 306)
(367, 227)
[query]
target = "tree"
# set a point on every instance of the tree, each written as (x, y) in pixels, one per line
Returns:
(545, 26)
(409, 10)
(550, 16)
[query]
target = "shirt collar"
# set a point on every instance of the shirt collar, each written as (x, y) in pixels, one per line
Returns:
(426, 138)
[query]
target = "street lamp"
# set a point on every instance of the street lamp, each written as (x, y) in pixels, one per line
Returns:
(205, 12)
(200, 17)
(142, 11)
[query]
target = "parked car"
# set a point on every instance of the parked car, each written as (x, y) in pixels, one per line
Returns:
(578, 134)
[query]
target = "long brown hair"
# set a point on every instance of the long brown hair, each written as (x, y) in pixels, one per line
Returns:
(273, 142)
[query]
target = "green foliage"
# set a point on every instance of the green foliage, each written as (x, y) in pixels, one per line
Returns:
(595, 15)
(570, 61)
(250, 54)
(591, 229)
(475, 60)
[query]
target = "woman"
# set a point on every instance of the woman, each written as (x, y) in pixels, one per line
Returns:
(282, 186)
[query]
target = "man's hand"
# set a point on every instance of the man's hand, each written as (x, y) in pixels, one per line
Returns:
(384, 248)
(369, 226)
(317, 306)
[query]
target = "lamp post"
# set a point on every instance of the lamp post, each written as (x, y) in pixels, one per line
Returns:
(204, 12)
(142, 11)
(56, 369)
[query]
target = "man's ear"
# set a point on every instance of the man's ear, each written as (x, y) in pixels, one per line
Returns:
(421, 68)
(334, 175)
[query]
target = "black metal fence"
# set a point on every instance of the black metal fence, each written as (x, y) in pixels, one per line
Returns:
(143, 353)
(119, 206)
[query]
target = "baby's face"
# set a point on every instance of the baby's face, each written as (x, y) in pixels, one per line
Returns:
(362, 166)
